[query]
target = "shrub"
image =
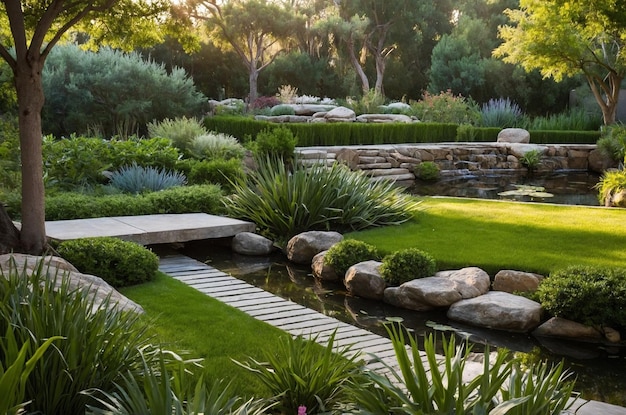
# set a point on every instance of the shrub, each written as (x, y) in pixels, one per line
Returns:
(137, 179)
(112, 92)
(277, 142)
(368, 104)
(320, 198)
(99, 343)
(445, 108)
(218, 171)
(265, 102)
(611, 183)
(282, 110)
(216, 145)
(406, 265)
(589, 295)
(572, 120)
(187, 199)
(348, 252)
(531, 159)
(612, 143)
(120, 263)
(427, 170)
(501, 112)
(154, 152)
(180, 130)
(310, 375)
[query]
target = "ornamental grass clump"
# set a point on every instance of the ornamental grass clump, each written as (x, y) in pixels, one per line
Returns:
(284, 203)
(406, 265)
(348, 252)
(138, 179)
(216, 146)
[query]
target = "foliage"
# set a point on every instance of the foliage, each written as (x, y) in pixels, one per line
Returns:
(100, 342)
(166, 388)
(277, 142)
(428, 384)
(180, 130)
(611, 182)
(369, 103)
(217, 171)
(572, 120)
(501, 112)
(427, 170)
(205, 198)
(111, 92)
(612, 143)
(76, 162)
(216, 145)
(308, 374)
(348, 252)
(287, 94)
(531, 159)
(406, 265)
(446, 108)
(118, 262)
(9, 152)
(265, 102)
(138, 179)
(284, 204)
(590, 295)
(282, 110)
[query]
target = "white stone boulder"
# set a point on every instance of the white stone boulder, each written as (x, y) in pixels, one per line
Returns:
(514, 135)
(341, 114)
(498, 310)
(512, 281)
(520, 150)
(303, 247)
(310, 109)
(382, 118)
(322, 270)
(423, 294)
(58, 268)
(364, 280)
(470, 282)
(249, 243)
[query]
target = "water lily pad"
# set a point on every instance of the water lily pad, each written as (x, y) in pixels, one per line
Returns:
(525, 190)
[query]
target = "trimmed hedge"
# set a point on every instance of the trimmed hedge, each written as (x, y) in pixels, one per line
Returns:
(348, 252)
(120, 263)
(340, 134)
(406, 265)
(183, 199)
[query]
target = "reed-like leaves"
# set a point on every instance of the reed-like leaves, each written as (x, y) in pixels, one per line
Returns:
(284, 203)
(301, 372)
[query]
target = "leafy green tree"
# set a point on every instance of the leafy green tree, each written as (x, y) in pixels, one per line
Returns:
(564, 39)
(112, 92)
(28, 31)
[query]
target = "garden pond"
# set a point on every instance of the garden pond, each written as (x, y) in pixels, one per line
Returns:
(600, 368)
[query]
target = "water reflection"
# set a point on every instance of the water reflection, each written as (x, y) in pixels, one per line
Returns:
(570, 188)
(600, 370)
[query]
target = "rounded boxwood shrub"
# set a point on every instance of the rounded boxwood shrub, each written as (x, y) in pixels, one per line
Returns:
(348, 252)
(427, 170)
(118, 262)
(590, 295)
(406, 265)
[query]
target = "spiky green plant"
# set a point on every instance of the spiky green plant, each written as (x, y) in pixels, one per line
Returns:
(138, 179)
(501, 112)
(284, 203)
(100, 341)
(180, 130)
(611, 182)
(307, 373)
(216, 145)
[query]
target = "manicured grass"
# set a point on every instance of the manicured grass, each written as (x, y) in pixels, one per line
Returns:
(184, 319)
(498, 235)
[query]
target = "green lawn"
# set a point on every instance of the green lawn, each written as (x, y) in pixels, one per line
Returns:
(498, 235)
(184, 319)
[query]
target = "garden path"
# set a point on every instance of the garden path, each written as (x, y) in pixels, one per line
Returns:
(300, 321)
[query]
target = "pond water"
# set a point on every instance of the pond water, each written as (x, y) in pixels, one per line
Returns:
(600, 368)
(566, 187)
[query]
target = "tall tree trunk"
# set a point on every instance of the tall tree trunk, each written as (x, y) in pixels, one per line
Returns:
(253, 78)
(606, 93)
(365, 83)
(381, 63)
(30, 102)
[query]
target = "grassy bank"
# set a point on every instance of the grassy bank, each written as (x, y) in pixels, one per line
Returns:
(184, 319)
(498, 235)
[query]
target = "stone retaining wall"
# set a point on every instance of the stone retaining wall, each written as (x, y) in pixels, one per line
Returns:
(399, 162)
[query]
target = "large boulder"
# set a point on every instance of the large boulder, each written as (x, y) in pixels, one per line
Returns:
(512, 281)
(248, 243)
(58, 268)
(598, 161)
(383, 118)
(340, 114)
(322, 270)
(303, 247)
(514, 135)
(423, 294)
(364, 280)
(560, 327)
(470, 282)
(498, 310)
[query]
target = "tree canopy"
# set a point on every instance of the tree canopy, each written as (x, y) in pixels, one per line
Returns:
(565, 38)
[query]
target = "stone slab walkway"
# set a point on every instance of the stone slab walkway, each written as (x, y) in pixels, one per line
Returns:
(150, 229)
(298, 320)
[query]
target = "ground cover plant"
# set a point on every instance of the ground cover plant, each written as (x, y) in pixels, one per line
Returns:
(497, 235)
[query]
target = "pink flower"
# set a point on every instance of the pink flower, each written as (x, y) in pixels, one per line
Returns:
(302, 410)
